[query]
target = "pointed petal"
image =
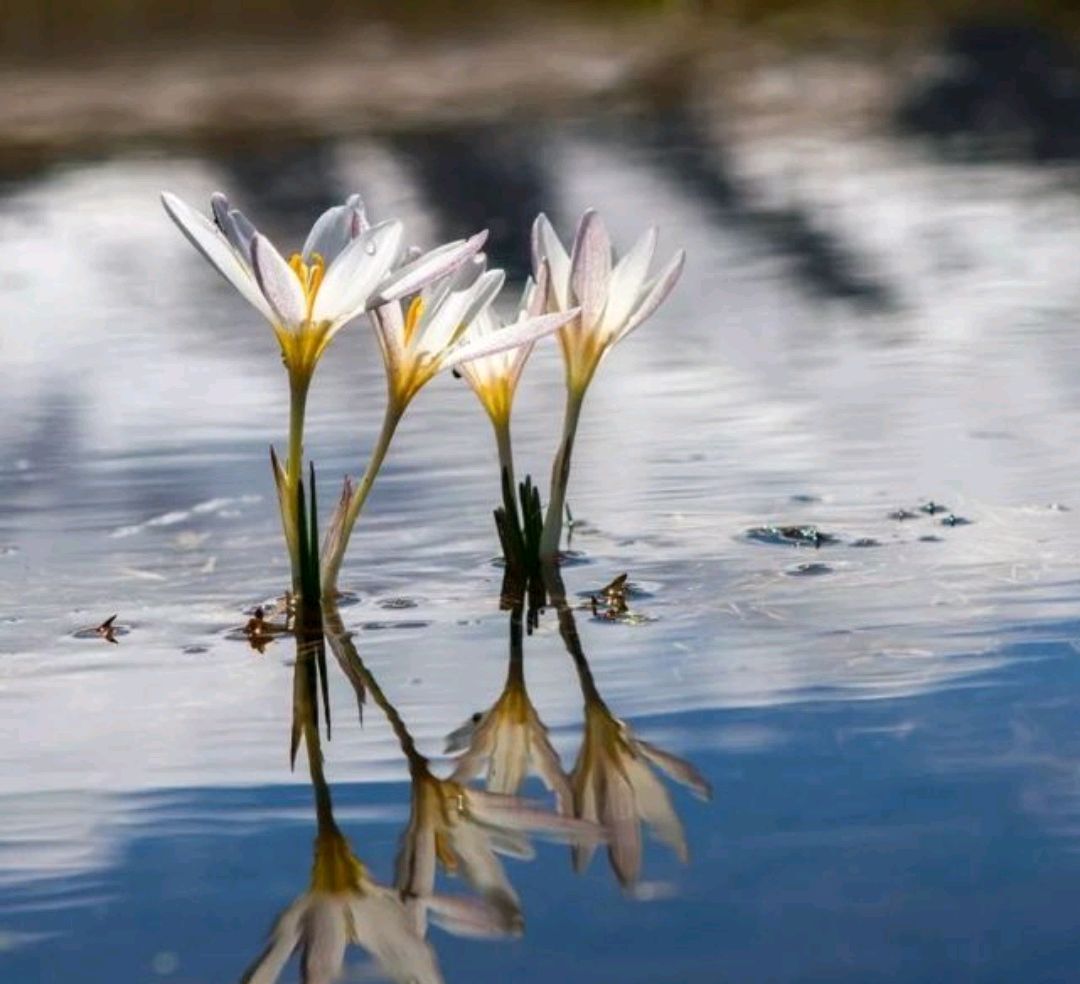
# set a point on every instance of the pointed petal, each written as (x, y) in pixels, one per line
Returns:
(334, 230)
(457, 312)
(655, 808)
(325, 935)
(418, 273)
(547, 246)
(349, 282)
(513, 813)
(535, 295)
(279, 283)
(509, 760)
(460, 738)
(233, 225)
(628, 280)
(590, 267)
(586, 807)
(655, 295)
(464, 915)
(510, 337)
(284, 938)
(215, 248)
(551, 771)
(679, 769)
(389, 324)
(484, 872)
(383, 927)
(618, 814)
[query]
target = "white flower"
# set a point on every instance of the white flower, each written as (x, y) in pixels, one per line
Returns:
(614, 299)
(615, 786)
(446, 325)
(344, 905)
(509, 738)
(344, 267)
(462, 829)
(494, 378)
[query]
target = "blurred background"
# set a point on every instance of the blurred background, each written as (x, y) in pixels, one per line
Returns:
(880, 205)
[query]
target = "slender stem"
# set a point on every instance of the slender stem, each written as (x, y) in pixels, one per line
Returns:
(560, 476)
(298, 392)
(332, 562)
(506, 474)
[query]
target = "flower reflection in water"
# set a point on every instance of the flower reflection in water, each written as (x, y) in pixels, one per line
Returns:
(509, 736)
(343, 903)
(460, 828)
(613, 781)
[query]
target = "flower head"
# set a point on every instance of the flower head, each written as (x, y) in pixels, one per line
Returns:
(345, 905)
(614, 299)
(494, 378)
(344, 266)
(442, 326)
(462, 829)
(615, 786)
(508, 738)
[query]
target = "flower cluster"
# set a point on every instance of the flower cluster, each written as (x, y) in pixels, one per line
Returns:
(430, 311)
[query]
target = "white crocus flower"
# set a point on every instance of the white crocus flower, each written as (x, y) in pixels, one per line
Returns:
(509, 738)
(464, 829)
(345, 905)
(614, 299)
(614, 786)
(344, 267)
(436, 329)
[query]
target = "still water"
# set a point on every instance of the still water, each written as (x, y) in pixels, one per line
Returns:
(886, 719)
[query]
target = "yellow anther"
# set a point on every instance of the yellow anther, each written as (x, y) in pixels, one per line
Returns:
(412, 318)
(310, 275)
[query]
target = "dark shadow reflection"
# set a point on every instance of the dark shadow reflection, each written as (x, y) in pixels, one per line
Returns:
(482, 177)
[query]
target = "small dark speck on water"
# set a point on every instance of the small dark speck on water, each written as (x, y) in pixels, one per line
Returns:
(799, 536)
(902, 514)
(866, 541)
(932, 508)
(804, 499)
(930, 538)
(395, 604)
(380, 626)
(953, 520)
(194, 650)
(808, 570)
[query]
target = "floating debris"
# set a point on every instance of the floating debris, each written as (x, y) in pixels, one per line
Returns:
(930, 538)
(902, 514)
(805, 500)
(107, 630)
(195, 650)
(396, 604)
(382, 626)
(814, 569)
(953, 520)
(866, 541)
(799, 536)
(932, 508)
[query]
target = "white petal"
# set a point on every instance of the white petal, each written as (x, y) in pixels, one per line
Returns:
(511, 337)
(208, 240)
(334, 230)
(430, 266)
(384, 929)
(590, 267)
(679, 769)
(657, 291)
(654, 806)
(627, 281)
(233, 225)
(279, 283)
(389, 325)
(618, 814)
(325, 935)
(349, 282)
(550, 770)
(284, 938)
(463, 915)
(547, 246)
(534, 296)
(513, 813)
(460, 738)
(459, 308)
(484, 872)
(509, 760)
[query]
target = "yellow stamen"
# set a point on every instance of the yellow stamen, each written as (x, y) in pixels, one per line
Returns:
(310, 275)
(412, 318)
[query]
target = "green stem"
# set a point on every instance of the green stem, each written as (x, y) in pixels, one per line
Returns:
(298, 392)
(506, 474)
(560, 477)
(332, 561)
